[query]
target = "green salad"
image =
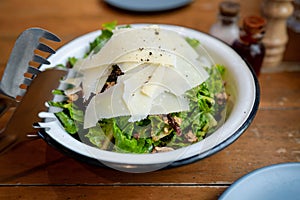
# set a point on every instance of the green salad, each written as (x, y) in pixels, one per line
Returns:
(155, 133)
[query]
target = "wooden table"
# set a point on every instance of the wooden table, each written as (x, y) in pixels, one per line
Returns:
(34, 170)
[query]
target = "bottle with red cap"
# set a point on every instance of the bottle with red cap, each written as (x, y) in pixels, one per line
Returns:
(249, 45)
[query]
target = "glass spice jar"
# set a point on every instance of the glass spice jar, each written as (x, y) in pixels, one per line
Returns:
(226, 27)
(249, 45)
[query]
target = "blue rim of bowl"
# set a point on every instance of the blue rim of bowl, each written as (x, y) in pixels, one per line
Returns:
(251, 175)
(70, 153)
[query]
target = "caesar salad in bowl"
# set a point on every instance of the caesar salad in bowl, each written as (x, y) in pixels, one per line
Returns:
(143, 97)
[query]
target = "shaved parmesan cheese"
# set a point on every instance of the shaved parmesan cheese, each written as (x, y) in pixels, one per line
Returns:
(127, 66)
(93, 80)
(153, 86)
(159, 66)
(147, 55)
(138, 103)
(137, 39)
(167, 103)
(166, 79)
(110, 103)
(90, 117)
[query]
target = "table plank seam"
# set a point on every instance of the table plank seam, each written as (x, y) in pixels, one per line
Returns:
(122, 184)
(271, 108)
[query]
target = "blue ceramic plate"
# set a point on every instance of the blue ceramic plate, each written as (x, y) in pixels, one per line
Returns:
(147, 5)
(275, 182)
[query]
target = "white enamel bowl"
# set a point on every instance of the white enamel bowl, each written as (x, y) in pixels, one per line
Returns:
(242, 85)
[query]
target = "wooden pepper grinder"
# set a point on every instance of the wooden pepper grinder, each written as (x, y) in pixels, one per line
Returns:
(276, 12)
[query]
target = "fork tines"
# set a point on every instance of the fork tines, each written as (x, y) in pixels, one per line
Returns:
(50, 36)
(45, 48)
(37, 34)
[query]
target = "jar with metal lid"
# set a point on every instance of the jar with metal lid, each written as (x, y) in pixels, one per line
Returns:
(226, 27)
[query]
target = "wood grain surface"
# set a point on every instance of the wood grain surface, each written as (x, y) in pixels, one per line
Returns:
(35, 170)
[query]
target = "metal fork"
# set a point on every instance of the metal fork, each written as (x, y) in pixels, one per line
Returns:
(18, 65)
(22, 54)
